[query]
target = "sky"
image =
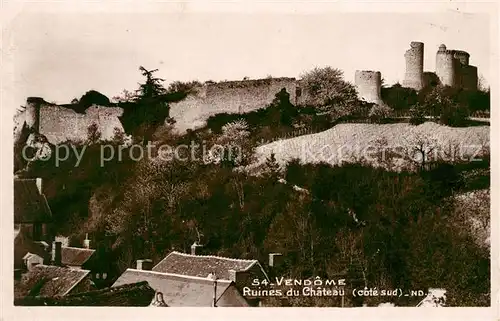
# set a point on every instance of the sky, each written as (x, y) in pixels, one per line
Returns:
(61, 55)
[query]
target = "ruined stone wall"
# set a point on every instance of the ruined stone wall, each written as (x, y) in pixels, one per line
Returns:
(246, 96)
(414, 66)
(368, 84)
(59, 124)
(229, 97)
(469, 77)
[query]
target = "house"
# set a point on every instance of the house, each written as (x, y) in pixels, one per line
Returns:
(241, 272)
(28, 253)
(51, 281)
(187, 291)
(133, 295)
(32, 214)
(98, 262)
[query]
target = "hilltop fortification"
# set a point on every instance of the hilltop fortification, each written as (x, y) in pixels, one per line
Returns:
(60, 123)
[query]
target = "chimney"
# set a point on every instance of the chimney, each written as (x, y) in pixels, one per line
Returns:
(86, 242)
(146, 265)
(233, 275)
(39, 185)
(274, 259)
(194, 247)
(56, 253)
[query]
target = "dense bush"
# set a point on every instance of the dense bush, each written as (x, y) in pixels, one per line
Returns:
(399, 98)
(93, 97)
(380, 112)
(327, 90)
(417, 114)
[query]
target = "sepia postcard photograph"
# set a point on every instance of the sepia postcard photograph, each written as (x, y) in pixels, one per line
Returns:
(170, 155)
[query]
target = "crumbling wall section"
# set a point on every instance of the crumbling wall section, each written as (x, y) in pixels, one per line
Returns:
(229, 97)
(368, 84)
(59, 124)
(414, 75)
(247, 95)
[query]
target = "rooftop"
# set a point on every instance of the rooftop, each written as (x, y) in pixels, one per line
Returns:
(202, 265)
(135, 294)
(178, 290)
(24, 245)
(49, 281)
(75, 256)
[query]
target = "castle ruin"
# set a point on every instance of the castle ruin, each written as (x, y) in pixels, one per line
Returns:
(368, 84)
(60, 124)
(452, 68)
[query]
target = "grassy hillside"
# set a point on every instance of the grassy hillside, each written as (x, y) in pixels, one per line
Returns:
(349, 142)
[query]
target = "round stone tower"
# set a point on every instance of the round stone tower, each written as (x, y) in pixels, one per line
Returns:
(414, 76)
(368, 84)
(446, 66)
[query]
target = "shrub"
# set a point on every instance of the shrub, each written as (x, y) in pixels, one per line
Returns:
(379, 112)
(398, 97)
(93, 97)
(454, 115)
(417, 115)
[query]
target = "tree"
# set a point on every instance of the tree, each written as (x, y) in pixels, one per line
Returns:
(285, 110)
(93, 134)
(233, 147)
(327, 90)
(421, 150)
(417, 114)
(152, 88)
(272, 167)
(149, 108)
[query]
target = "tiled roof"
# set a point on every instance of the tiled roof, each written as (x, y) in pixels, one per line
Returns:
(29, 204)
(178, 290)
(45, 280)
(74, 256)
(202, 265)
(136, 294)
